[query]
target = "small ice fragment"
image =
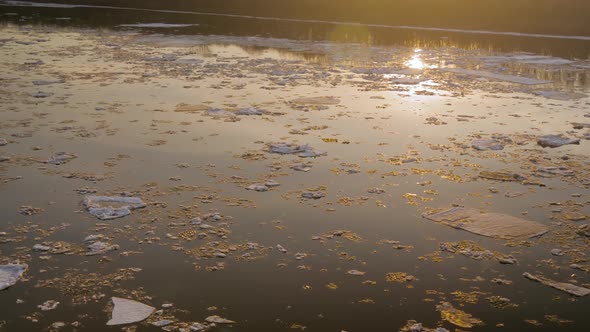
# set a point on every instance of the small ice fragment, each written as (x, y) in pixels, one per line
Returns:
(60, 158)
(304, 151)
(41, 94)
(355, 273)
(257, 187)
(47, 82)
(197, 327)
(557, 252)
(40, 247)
(162, 322)
(3, 142)
(272, 183)
(98, 248)
(249, 111)
(48, 305)
(313, 194)
(281, 249)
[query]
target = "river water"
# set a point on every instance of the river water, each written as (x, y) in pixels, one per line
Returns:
(150, 104)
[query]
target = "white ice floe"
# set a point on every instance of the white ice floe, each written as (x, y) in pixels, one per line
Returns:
(128, 311)
(10, 274)
(99, 206)
(304, 151)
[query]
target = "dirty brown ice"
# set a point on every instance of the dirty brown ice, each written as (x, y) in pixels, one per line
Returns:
(152, 181)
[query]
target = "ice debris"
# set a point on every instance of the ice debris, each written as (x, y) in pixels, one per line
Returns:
(128, 311)
(94, 206)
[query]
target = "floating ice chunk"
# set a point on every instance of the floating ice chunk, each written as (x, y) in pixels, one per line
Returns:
(47, 82)
(61, 158)
(156, 25)
(304, 151)
(162, 322)
(257, 187)
(218, 320)
(219, 113)
(554, 141)
(494, 225)
(317, 101)
(10, 274)
(496, 76)
(301, 167)
(93, 204)
(487, 144)
(3, 142)
(99, 248)
(48, 305)
(281, 249)
(557, 252)
(249, 111)
(313, 194)
(272, 183)
(93, 238)
(41, 94)
(128, 311)
(40, 247)
(562, 286)
(356, 273)
(198, 327)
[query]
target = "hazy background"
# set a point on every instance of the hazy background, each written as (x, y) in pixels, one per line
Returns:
(569, 17)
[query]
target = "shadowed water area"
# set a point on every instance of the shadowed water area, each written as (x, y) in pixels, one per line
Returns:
(242, 173)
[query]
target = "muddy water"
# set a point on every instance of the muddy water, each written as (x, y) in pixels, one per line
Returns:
(119, 111)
